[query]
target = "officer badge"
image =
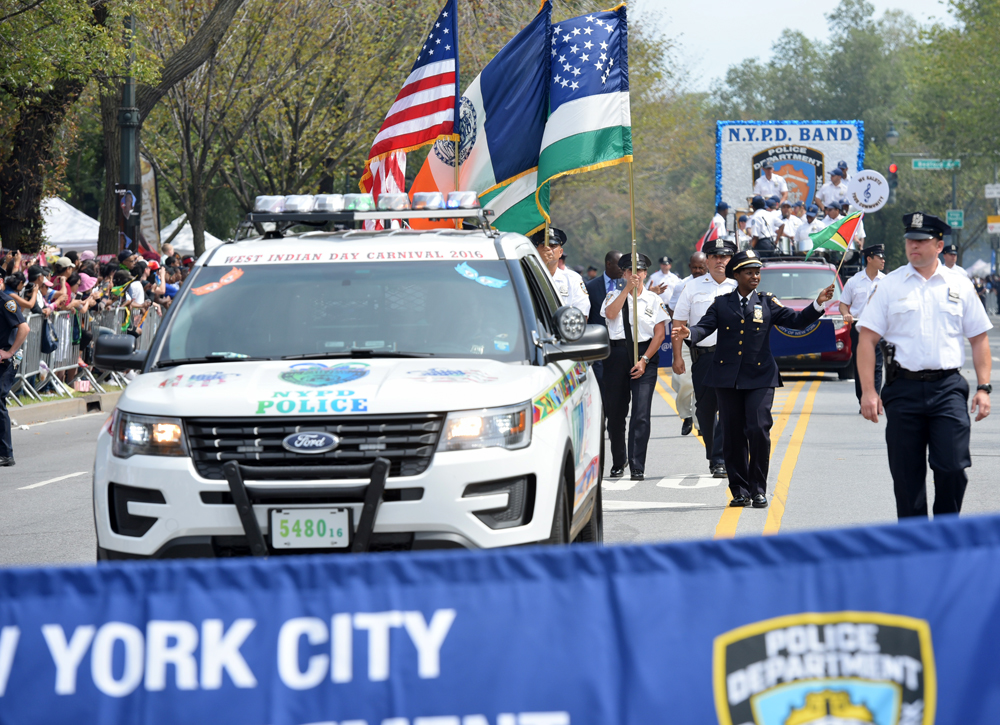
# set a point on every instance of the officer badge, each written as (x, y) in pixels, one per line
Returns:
(751, 254)
(830, 669)
(917, 221)
(318, 375)
(758, 313)
(11, 306)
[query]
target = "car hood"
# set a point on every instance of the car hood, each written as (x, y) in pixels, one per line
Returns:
(338, 387)
(832, 307)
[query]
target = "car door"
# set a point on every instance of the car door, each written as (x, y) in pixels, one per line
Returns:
(574, 394)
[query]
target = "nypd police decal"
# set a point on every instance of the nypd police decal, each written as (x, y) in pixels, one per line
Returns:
(830, 668)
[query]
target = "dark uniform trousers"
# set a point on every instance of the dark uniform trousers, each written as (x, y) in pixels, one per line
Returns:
(619, 391)
(854, 363)
(6, 383)
(921, 415)
(706, 406)
(746, 425)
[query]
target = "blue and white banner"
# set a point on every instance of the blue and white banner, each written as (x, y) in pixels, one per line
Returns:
(803, 153)
(818, 337)
(893, 625)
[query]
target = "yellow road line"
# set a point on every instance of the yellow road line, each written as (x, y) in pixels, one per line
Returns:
(777, 509)
(726, 528)
(670, 401)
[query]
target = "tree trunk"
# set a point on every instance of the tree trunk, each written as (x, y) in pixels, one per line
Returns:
(198, 204)
(23, 169)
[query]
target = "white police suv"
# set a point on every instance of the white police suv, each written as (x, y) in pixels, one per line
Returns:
(334, 391)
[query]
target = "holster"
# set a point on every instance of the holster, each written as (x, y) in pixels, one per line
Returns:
(693, 350)
(889, 361)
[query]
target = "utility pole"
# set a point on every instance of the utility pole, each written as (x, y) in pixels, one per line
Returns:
(128, 123)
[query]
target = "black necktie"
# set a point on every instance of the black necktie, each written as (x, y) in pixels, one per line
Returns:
(626, 320)
(743, 304)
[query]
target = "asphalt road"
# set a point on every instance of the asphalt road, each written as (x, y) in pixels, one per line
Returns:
(828, 469)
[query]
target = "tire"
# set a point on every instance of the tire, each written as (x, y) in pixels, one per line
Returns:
(561, 516)
(593, 531)
(845, 373)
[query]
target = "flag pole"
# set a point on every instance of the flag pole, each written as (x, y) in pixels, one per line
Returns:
(458, 113)
(844, 255)
(635, 292)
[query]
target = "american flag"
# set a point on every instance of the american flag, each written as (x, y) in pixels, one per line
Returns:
(425, 109)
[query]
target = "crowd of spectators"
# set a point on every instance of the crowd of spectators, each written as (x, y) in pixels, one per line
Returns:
(83, 284)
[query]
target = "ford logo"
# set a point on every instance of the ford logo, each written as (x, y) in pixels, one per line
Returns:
(310, 442)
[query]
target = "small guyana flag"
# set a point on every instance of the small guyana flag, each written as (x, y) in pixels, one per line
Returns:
(838, 235)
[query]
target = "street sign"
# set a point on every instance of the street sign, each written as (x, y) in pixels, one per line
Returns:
(993, 224)
(868, 190)
(955, 218)
(993, 191)
(937, 164)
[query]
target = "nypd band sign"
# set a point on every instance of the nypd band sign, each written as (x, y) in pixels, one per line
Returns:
(891, 625)
(802, 152)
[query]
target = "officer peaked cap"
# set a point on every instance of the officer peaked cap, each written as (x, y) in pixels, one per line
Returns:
(641, 262)
(721, 247)
(924, 226)
(950, 249)
(875, 250)
(743, 260)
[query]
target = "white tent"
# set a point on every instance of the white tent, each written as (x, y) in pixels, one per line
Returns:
(67, 227)
(981, 268)
(183, 243)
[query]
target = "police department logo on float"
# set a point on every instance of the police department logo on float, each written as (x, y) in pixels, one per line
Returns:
(832, 668)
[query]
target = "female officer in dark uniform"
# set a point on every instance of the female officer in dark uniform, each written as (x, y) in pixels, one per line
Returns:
(744, 372)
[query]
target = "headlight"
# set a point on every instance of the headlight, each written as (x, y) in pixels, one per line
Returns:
(508, 428)
(147, 436)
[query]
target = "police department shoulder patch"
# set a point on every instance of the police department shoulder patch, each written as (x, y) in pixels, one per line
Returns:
(11, 306)
(837, 667)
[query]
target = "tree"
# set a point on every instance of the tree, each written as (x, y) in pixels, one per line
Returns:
(50, 50)
(956, 101)
(200, 46)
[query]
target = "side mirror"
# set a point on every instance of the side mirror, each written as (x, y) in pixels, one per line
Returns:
(593, 344)
(117, 352)
(570, 323)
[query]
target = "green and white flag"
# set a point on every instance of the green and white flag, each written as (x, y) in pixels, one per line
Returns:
(590, 121)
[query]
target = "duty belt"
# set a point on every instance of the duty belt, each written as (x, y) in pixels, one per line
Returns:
(926, 376)
(626, 343)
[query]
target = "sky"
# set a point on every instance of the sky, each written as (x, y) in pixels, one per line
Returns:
(715, 34)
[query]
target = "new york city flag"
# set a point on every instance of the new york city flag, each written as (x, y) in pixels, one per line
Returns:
(503, 114)
(590, 120)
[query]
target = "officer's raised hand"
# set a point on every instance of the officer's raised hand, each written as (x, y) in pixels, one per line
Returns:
(825, 295)
(679, 332)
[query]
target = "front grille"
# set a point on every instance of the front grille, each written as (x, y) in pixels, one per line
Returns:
(407, 441)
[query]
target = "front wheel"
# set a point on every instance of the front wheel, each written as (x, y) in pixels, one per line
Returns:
(845, 373)
(593, 530)
(560, 516)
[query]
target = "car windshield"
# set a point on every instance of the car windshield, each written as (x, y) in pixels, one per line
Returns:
(797, 284)
(387, 308)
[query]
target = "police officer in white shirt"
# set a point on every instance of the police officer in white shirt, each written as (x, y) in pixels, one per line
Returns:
(770, 183)
(663, 282)
(682, 384)
(950, 257)
(811, 225)
(759, 228)
(833, 190)
(788, 223)
(697, 297)
(568, 284)
(623, 381)
(923, 311)
(719, 220)
(853, 299)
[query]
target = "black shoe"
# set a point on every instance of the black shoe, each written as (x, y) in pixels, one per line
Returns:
(638, 476)
(740, 501)
(718, 471)
(686, 426)
(617, 472)
(759, 501)
(6, 461)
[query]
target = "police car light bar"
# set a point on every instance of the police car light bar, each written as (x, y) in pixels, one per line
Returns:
(347, 208)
